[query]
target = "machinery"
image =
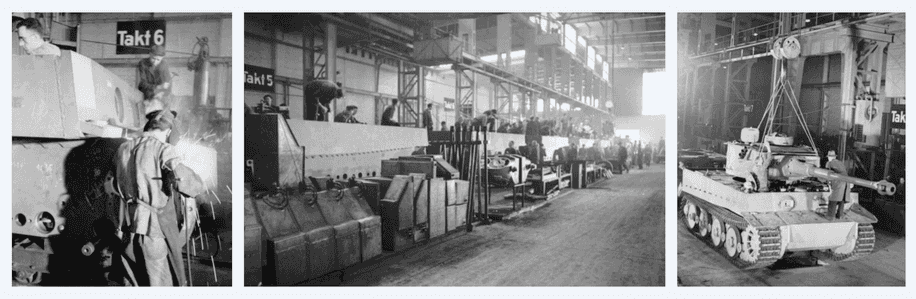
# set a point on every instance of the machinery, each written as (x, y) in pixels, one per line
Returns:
(68, 119)
(508, 170)
(771, 198)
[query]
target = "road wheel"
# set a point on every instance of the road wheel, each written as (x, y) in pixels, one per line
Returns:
(716, 232)
(732, 241)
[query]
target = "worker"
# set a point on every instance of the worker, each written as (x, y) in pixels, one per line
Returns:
(318, 97)
(534, 153)
(622, 156)
(839, 190)
(444, 126)
(511, 149)
(388, 114)
(491, 120)
(639, 153)
(428, 117)
(154, 79)
(155, 82)
(30, 34)
(266, 105)
(157, 221)
(347, 116)
(17, 50)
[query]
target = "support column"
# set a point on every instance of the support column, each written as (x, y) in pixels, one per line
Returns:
(847, 93)
(308, 61)
(411, 92)
(465, 92)
(330, 46)
(531, 55)
(504, 41)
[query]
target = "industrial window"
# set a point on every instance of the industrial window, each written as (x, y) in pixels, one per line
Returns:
(569, 36)
(591, 57)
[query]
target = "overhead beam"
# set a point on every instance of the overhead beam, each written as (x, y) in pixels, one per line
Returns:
(610, 17)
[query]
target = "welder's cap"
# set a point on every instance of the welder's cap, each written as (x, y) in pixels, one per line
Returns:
(323, 89)
(159, 120)
(157, 50)
(831, 154)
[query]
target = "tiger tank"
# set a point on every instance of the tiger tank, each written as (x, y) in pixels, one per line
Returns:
(770, 200)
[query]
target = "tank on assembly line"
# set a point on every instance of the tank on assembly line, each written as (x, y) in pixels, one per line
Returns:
(768, 201)
(69, 116)
(771, 199)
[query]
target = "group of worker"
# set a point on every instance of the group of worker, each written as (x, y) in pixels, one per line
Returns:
(156, 190)
(622, 155)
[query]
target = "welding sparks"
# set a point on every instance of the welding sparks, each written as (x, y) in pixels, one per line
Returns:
(200, 158)
(213, 264)
(230, 190)
(215, 196)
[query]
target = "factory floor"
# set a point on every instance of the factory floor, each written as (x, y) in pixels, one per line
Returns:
(699, 265)
(611, 234)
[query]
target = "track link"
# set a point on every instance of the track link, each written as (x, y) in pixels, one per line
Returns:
(755, 256)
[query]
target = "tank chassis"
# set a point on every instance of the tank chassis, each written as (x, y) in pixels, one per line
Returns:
(769, 201)
(69, 115)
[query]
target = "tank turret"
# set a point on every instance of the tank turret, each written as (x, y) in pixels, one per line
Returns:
(795, 167)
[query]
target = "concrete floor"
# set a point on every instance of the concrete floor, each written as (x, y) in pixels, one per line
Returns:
(609, 234)
(699, 265)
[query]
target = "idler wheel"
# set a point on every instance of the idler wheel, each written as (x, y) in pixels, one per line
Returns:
(690, 215)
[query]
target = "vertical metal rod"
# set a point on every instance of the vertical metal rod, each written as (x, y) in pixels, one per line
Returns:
(187, 235)
(486, 185)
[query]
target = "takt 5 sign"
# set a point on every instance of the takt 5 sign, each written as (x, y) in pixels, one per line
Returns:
(898, 116)
(259, 78)
(138, 36)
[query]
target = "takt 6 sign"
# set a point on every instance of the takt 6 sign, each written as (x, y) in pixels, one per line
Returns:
(138, 36)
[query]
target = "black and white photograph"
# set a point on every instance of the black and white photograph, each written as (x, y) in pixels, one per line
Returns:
(791, 149)
(122, 139)
(455, 149)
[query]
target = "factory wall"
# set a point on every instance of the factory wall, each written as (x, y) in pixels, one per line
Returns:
(97, 36)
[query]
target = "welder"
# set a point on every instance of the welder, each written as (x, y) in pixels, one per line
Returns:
(151, 180)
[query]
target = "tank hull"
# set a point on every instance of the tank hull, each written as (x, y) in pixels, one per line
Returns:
(754, 230)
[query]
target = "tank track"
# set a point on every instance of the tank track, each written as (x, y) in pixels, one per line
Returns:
(865, 243)
(769, 249)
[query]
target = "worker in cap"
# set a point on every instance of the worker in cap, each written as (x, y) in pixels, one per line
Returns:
(154, 78)
(839, 190)
(318, 97)
(156, 219)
